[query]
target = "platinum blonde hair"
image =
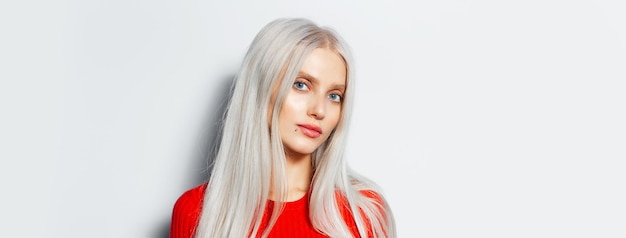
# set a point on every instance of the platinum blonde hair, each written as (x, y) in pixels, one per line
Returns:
(251, 158)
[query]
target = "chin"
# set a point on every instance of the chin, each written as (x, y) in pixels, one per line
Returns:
(302, 149)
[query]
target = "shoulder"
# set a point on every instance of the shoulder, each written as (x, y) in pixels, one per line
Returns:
(367, 198)
(186, 212)
(374, 197)
(371, 207)
(191, 198)
(369, 195)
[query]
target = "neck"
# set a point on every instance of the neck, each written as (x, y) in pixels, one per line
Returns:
(299, 175)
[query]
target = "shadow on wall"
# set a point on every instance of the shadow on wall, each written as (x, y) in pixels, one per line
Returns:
(206, 145)
(212, 133)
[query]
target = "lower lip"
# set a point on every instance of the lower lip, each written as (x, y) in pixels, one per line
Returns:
(310, 133)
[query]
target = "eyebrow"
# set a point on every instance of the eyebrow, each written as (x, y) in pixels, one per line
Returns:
(316, 80)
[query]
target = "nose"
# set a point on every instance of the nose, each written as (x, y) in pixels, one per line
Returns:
(317, 107)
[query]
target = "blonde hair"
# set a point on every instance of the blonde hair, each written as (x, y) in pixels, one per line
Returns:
(251, 158)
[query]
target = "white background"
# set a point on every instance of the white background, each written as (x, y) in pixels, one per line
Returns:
(478, 118)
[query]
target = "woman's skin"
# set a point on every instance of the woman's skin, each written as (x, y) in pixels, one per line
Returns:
(309, 114)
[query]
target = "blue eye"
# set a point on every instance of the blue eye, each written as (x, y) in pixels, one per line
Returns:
(334, 97)
(300, 86)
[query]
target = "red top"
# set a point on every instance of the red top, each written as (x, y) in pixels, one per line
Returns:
(292, 222)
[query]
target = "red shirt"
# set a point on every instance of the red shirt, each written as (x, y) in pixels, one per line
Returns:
(292, 222)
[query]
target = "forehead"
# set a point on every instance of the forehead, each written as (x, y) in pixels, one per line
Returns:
(326, 66)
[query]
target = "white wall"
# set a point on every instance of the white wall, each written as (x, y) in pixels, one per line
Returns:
(478, 118)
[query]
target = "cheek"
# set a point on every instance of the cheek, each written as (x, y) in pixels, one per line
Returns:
(287, 110)
(334, 117)
(294, 103)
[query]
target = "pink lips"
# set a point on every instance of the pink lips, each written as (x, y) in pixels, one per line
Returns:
(309, 130)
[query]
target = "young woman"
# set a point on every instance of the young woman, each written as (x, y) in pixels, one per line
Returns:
(280, 169)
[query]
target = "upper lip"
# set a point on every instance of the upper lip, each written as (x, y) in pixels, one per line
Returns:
(311, 127)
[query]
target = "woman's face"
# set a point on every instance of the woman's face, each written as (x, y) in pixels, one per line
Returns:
(312, 107)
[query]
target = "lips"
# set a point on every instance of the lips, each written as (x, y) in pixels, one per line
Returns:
(309, 130)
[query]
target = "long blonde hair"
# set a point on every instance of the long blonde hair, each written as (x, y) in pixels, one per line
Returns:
(251, 158)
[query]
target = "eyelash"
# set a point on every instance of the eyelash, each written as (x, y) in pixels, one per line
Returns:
(300, 83)
(335, 100)
(303, 86)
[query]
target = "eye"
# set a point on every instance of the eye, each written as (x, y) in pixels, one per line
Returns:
(334, 97)
(299, 85)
